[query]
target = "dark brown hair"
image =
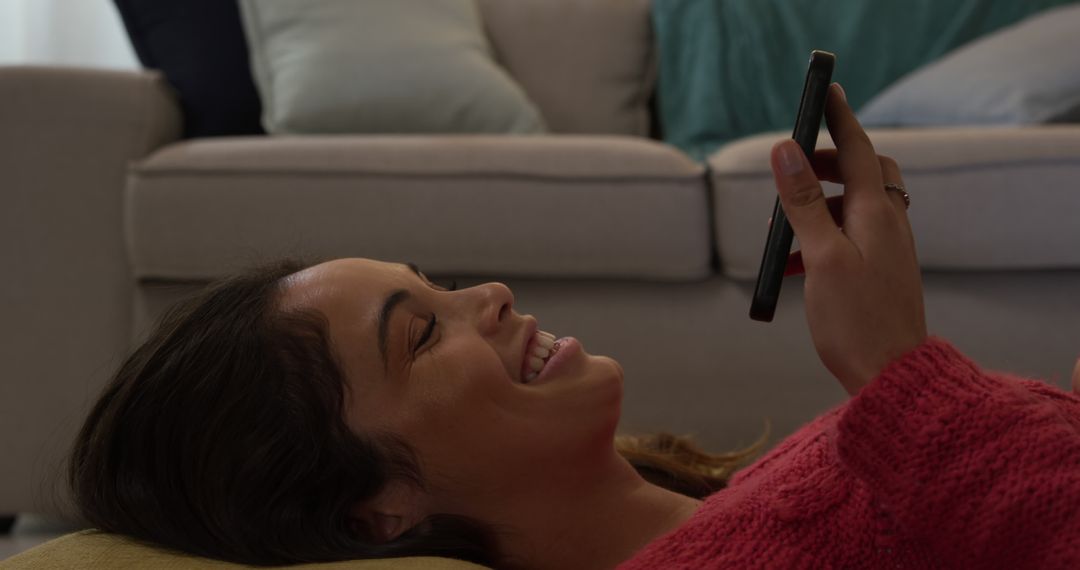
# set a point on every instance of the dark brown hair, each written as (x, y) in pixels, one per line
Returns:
(223, 436)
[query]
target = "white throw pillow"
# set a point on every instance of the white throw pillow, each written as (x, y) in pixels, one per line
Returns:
(1028, 73)
(380, 66)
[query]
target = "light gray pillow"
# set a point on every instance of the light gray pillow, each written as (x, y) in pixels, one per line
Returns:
(380, 66)
(1028, 73)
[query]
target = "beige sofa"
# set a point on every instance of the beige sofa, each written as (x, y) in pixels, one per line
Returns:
(603, 233)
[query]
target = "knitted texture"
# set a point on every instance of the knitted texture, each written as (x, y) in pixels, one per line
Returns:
(935, 464)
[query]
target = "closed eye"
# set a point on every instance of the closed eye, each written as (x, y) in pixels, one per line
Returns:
(427, 334)
(432, 321)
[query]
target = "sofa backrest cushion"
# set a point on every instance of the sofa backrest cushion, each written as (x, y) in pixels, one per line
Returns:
(1028, 73)
(199, 46)
(588, 64)
(380, 66)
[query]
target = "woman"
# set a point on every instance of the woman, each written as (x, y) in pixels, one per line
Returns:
(354, 409)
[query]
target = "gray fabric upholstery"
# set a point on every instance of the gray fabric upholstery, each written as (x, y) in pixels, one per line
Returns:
(65, 139)
(588, 64)
(569, 206)
(981, 198)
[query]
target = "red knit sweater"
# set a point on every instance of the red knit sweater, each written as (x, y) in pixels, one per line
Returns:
(936, 464)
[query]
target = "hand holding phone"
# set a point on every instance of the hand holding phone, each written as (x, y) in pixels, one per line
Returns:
(778, 244)
(863, 287)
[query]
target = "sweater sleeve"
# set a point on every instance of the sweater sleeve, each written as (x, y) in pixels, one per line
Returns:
(981, 469)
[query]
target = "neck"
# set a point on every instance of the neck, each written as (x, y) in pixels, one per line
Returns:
(593, 522)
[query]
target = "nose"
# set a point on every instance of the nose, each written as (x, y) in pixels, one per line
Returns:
(496, 303)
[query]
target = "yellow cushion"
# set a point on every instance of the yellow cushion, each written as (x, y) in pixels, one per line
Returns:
(93, 549)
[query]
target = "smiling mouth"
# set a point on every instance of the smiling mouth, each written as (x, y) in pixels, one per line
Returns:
(539, 352)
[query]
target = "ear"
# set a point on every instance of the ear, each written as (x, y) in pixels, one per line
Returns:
(396, 509)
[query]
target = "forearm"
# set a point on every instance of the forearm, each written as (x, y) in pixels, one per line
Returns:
(978, 466)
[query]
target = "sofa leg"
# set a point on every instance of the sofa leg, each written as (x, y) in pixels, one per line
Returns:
(6, 524)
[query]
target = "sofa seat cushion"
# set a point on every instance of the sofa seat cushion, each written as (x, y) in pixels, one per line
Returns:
(981, 198)
(539, 206)
(94, 549)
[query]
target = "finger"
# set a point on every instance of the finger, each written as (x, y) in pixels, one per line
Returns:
(802, 198)
(826, 166)
(857, 161)
(836, 210)
(891, 173)
(794, 264)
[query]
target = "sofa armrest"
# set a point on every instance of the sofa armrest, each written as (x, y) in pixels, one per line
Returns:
(66, 138)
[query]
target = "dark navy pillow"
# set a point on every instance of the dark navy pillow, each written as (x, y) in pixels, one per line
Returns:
(200, 47)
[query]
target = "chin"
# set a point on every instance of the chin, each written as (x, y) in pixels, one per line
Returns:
(618, 367)
(609, 373)
(613, 365)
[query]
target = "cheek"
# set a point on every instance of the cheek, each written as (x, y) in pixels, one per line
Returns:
(461, 420)
(471, 423)
(456, 388)
(466, 372)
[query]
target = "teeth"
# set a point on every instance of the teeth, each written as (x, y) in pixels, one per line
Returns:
(538, 355)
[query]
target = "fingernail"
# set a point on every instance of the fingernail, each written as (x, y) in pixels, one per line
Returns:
(840, 88)
(791, 162)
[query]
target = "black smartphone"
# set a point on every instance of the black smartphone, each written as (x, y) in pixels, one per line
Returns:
(778, 245)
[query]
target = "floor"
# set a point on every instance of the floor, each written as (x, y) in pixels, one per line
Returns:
(30, 531)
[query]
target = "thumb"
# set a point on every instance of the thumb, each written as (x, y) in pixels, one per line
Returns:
(801, 196)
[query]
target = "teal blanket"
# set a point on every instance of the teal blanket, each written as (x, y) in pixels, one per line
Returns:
(732, 68)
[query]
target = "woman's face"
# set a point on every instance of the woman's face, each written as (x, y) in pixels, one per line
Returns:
(457, 395)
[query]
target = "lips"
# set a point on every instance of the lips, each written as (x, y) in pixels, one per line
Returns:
(562, 350)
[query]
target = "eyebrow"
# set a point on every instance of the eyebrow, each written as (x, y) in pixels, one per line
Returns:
(396, 298)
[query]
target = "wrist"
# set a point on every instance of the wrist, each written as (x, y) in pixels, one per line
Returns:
(861, 376)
